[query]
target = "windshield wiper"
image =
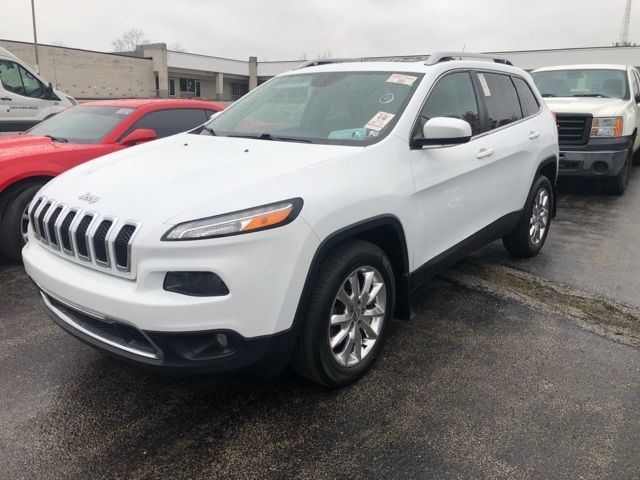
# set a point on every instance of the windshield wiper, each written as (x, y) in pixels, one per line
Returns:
(595, 95)
(209, 130)
(548, 95)
(269, 136)
(57, 139)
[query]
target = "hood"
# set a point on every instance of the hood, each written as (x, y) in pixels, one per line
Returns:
(598, 107)
(187, 176)
(20, 146)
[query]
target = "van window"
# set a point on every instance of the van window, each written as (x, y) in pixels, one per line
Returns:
(18, 80)
(528, 100)
(501, 99)
(453, 97)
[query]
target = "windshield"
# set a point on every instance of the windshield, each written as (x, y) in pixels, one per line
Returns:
(345, 108)
(599, 83)
(82, 124)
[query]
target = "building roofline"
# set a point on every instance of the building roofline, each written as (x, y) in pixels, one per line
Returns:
(117, 54)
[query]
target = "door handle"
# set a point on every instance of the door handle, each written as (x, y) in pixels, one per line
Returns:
(533, 135)
(484, 153)
(6, 98)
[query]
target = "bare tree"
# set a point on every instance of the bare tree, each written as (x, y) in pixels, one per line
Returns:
(129, 41)
(177, 47)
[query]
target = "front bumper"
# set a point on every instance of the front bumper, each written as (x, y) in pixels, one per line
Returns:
(181, 352)
(139, 321)
(600, 157)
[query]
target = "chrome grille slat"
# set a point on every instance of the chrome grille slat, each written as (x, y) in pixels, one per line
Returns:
(102, 242)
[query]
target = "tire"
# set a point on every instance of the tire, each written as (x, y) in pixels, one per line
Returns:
(522, 242)
(313, 357)
(636, 158)
(11, 239)
(618, 185)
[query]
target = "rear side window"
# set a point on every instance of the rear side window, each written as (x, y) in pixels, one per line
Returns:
(528, 100)
(453, 96)
(170, 122)
(501, 99)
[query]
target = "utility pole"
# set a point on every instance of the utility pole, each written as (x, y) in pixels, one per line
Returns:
(624, 32)
(35, 35)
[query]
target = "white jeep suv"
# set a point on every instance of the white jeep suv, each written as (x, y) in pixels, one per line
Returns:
(293, 226)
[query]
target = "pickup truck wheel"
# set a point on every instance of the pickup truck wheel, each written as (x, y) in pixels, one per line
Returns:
(531, 233)
(618, 185)
(14, 223)
(348, 315)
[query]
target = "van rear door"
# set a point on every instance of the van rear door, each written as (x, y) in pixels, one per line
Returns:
(24, 99)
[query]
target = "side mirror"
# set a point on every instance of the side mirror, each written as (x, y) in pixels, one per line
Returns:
(139, 135)
(48, 90)
(444, 131)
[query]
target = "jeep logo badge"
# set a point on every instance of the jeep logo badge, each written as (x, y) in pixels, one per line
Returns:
(87, 197)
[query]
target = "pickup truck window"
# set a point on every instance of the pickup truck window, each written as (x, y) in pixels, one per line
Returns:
(597, 83)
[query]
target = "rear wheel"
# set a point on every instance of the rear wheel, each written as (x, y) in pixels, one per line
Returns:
(618, 185)
(531, 233)
(347, 319)
(15, 221)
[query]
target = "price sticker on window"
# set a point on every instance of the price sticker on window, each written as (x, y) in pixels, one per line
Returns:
(484, 84)
(379, 121)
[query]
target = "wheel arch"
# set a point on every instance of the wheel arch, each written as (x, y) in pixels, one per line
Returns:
(7, 193)
(549, 168)
(384, 231)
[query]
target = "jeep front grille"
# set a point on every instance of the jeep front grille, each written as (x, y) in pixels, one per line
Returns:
(99, 241)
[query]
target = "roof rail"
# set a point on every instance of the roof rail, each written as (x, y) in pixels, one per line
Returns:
(396, 58)
(449, 56)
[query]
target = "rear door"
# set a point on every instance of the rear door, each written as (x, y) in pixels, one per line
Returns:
(513, 136)
(635, 92)
(23, 98)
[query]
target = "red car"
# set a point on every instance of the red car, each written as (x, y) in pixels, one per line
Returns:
(79, 134)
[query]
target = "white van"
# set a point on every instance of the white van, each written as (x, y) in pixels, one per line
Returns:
(25, 98)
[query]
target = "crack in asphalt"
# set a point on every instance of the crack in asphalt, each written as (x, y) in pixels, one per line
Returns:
(600, 315)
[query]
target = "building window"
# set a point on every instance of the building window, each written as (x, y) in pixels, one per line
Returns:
(189, 87)
(172, 87)
(238, 90)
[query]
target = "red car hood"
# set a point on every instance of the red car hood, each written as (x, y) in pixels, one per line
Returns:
(20, 146)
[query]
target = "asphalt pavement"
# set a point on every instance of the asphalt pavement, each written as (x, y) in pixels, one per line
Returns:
(509, 369)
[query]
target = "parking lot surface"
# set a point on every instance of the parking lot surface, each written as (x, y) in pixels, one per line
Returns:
(509, 369)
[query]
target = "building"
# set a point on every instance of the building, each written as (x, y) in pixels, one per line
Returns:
(154, 71)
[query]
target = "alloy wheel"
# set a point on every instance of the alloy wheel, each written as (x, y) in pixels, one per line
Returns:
(539, 216)
(357, 315)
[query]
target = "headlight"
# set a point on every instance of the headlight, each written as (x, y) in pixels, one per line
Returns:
(244, 221)
(606, 127)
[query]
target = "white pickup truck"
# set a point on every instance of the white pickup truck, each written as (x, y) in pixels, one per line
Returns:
(597, 111)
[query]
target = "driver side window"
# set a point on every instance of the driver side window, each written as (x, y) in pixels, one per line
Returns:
(18, 80)
(454, 97)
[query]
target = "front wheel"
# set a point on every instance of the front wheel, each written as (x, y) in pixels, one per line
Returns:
(15, 221)
(348, 315)
(618, 185)
(531, 233)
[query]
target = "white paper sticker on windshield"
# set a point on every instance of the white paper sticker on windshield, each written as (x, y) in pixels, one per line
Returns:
(485, 85)
(402, 79)
(379, 121)
(124, 111)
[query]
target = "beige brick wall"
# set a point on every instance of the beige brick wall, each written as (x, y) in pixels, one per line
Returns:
(89, 75)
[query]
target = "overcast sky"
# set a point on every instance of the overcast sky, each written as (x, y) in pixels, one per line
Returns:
(287, 29)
